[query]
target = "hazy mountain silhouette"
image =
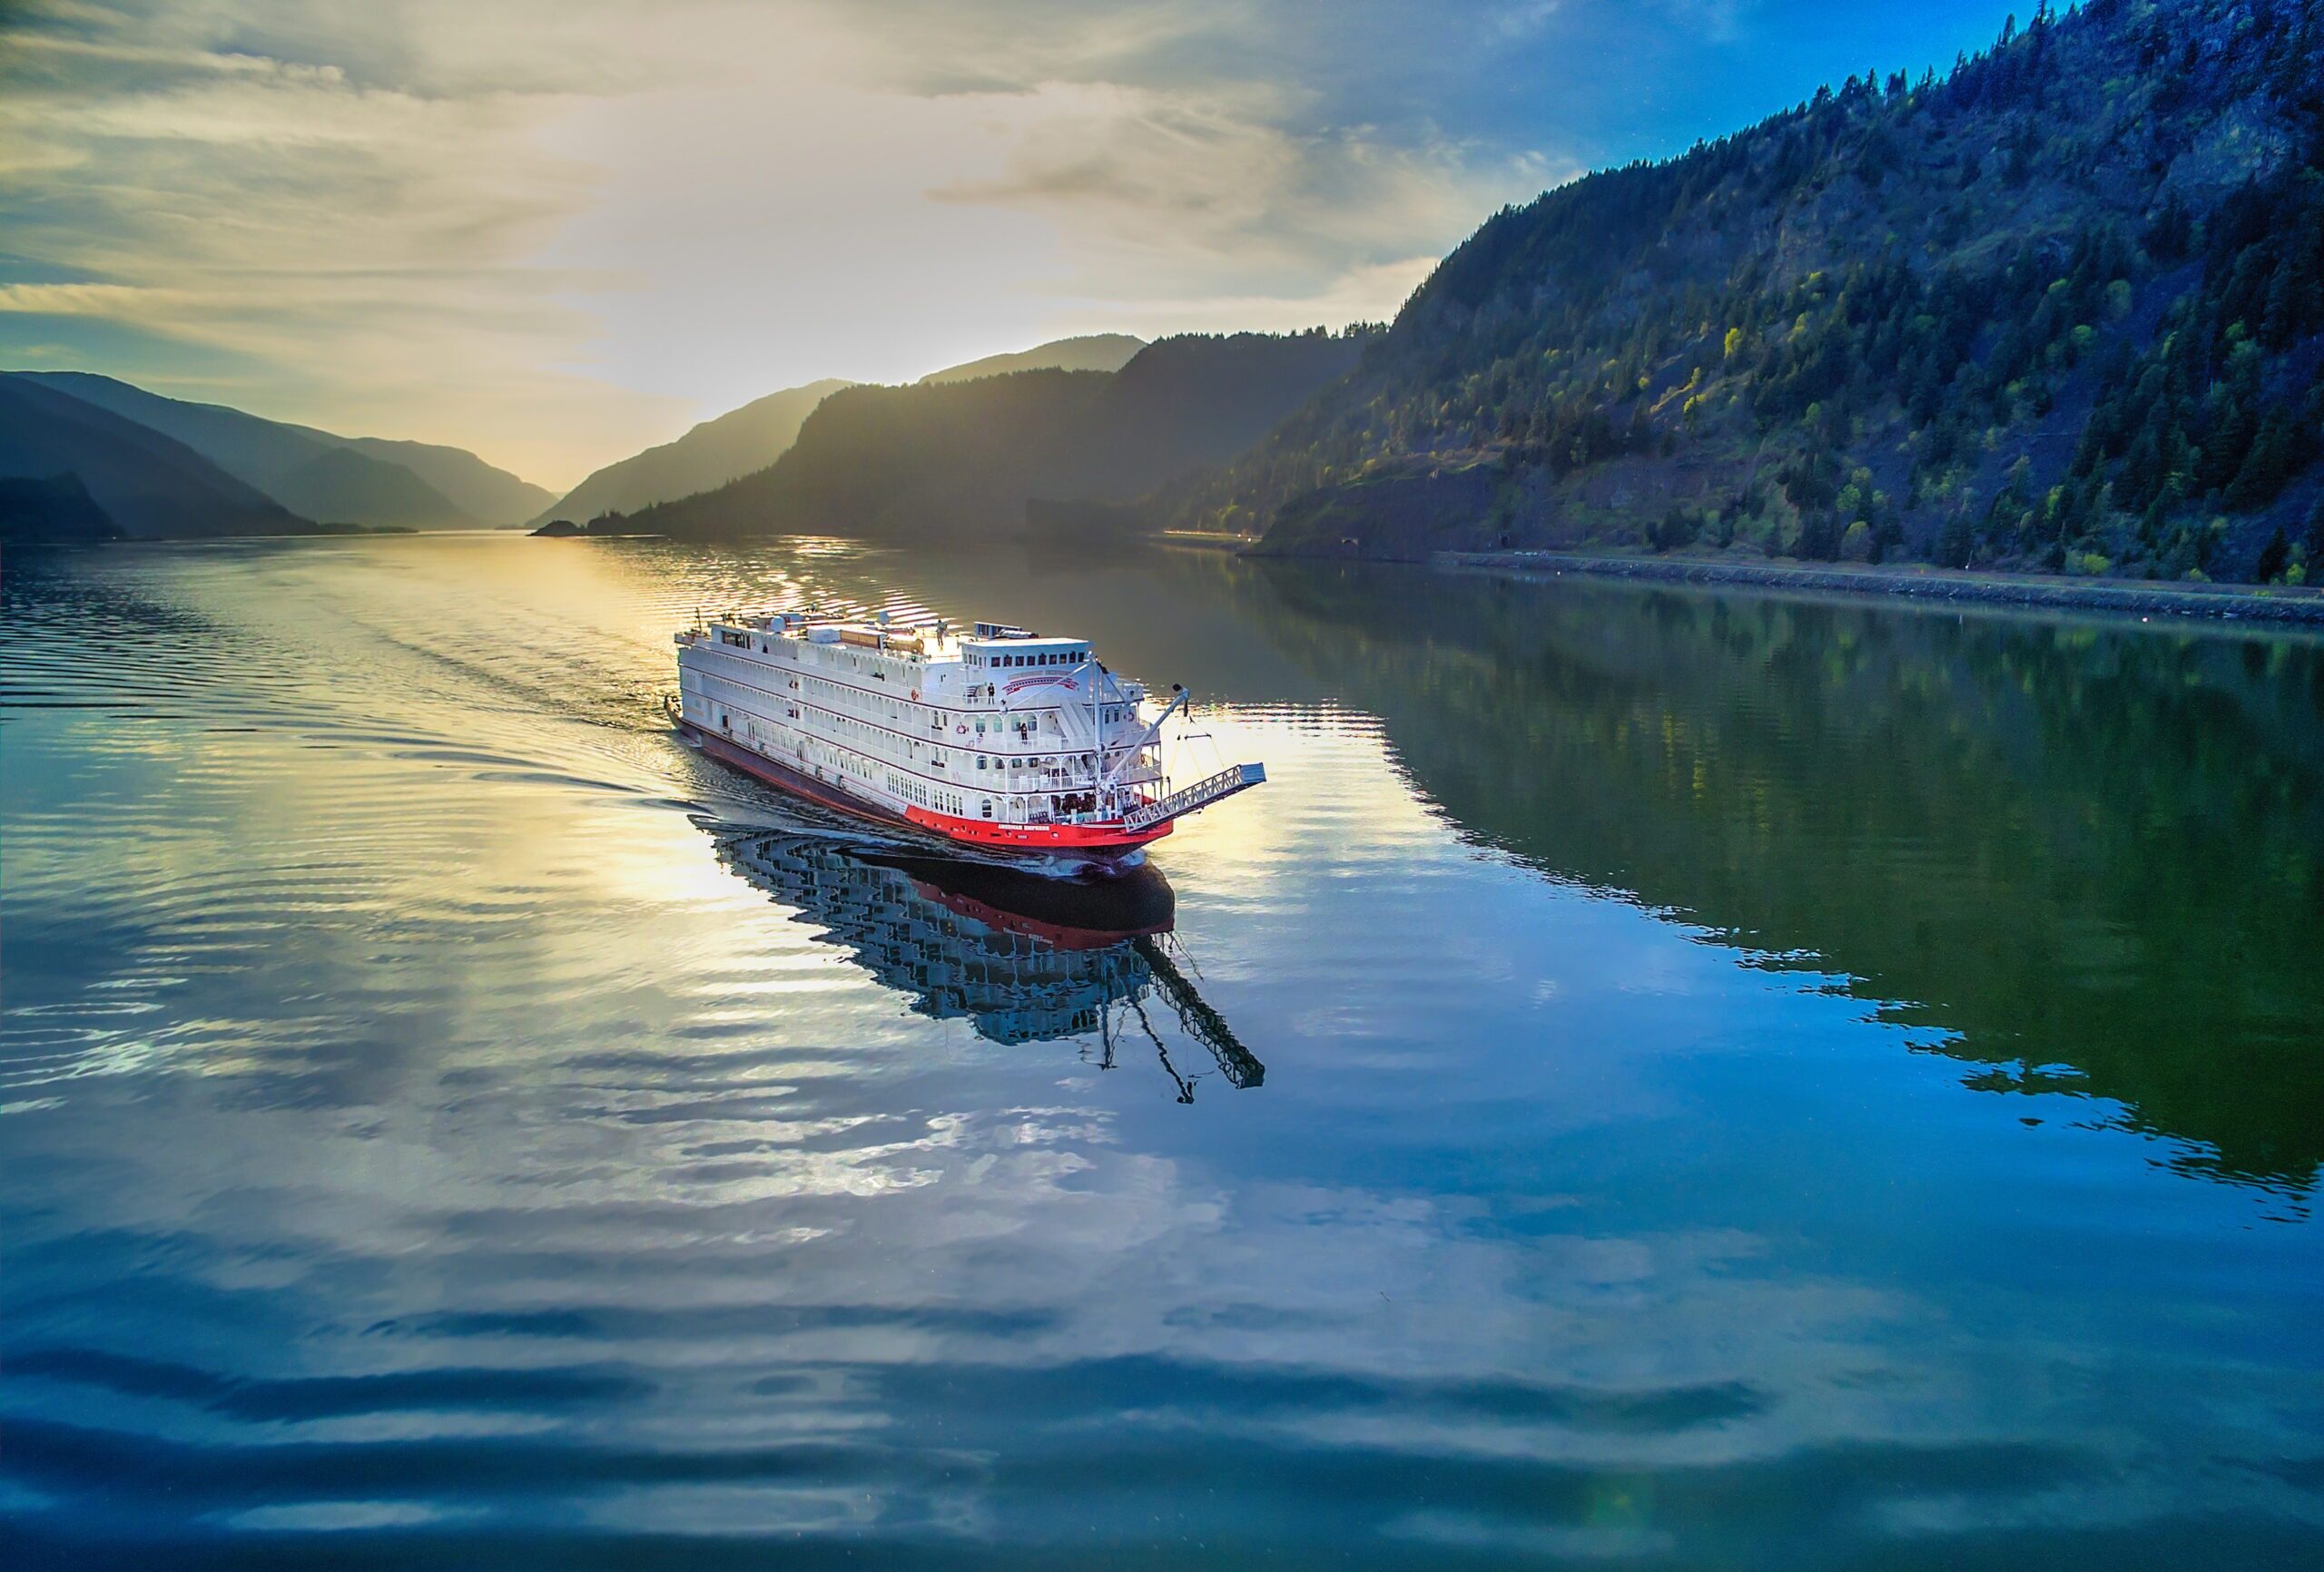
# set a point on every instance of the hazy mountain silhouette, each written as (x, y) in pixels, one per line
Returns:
(337, 479)
(55, 507)
(147, 484)
(940, 457)
(341, 484)
(486, 493)
(711, 455)
(1089, 352)
(751, 438)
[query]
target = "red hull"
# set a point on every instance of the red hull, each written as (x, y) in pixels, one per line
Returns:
(1057, 838)
(1039, 840)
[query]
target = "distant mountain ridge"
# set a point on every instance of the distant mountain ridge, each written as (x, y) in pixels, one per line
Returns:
(485, 492)
(898, 462)
(2062, 309)
(344, 485)
(317, 474)
(147, 485)
(750, 439)
(708, 456)
(1089, 352)
(872, 459)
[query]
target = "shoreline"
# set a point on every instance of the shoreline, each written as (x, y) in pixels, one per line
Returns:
(2299, 607)
(1203, 540)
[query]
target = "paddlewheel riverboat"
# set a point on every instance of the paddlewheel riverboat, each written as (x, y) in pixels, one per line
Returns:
(1001, 738)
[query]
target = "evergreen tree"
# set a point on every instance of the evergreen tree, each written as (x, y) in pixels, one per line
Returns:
(1955, 541)
(2274, 557)
(2269, 465)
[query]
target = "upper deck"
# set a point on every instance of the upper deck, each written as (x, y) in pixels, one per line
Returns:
(991, 667)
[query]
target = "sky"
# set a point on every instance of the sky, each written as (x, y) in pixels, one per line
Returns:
(556, 232)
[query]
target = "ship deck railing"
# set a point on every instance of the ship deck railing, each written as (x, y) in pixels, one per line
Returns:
(1201, 794)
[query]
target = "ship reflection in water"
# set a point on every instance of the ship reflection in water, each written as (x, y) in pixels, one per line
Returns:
(1022, 958)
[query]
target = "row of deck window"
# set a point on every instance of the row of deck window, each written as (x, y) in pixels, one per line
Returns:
(1034, 658)
(875, 739)
(843, 696)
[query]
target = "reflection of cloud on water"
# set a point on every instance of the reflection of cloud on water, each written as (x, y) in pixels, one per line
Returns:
(1265, 1340)
(1117, 1302)
(498, 1109)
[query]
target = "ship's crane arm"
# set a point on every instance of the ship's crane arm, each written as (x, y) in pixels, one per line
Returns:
(1179, 699)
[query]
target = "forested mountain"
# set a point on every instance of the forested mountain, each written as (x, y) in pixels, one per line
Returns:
(364, 480)
(879, 461)
(709, 455)
(1207, 397)
(2059, 309)
(1091, 352)
(751, 438)
(53, 508)
(896, 462)
(145, 484)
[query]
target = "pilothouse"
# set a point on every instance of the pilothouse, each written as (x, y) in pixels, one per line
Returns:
(1003, 739)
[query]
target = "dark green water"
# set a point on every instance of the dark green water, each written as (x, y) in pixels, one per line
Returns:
(1655, 1079)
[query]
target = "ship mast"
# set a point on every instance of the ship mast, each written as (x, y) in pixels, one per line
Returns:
(1096, 730)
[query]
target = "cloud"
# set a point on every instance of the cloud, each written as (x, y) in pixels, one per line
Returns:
(558, 231)
(124, 300)
(950, 184)
(351, 253)
(1160, 189)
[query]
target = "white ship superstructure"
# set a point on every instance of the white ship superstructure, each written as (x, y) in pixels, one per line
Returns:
(1000, 738)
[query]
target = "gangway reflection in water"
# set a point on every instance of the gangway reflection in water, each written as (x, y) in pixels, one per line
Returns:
(1022, 958)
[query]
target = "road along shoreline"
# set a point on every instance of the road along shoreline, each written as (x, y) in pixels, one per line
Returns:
(2224, 602)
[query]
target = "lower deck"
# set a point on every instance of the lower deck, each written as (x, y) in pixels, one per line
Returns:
(860, 798)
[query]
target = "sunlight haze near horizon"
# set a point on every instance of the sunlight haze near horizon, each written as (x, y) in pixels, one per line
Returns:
(557, 235)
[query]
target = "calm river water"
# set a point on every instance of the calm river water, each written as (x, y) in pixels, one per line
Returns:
(1655, 1079)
